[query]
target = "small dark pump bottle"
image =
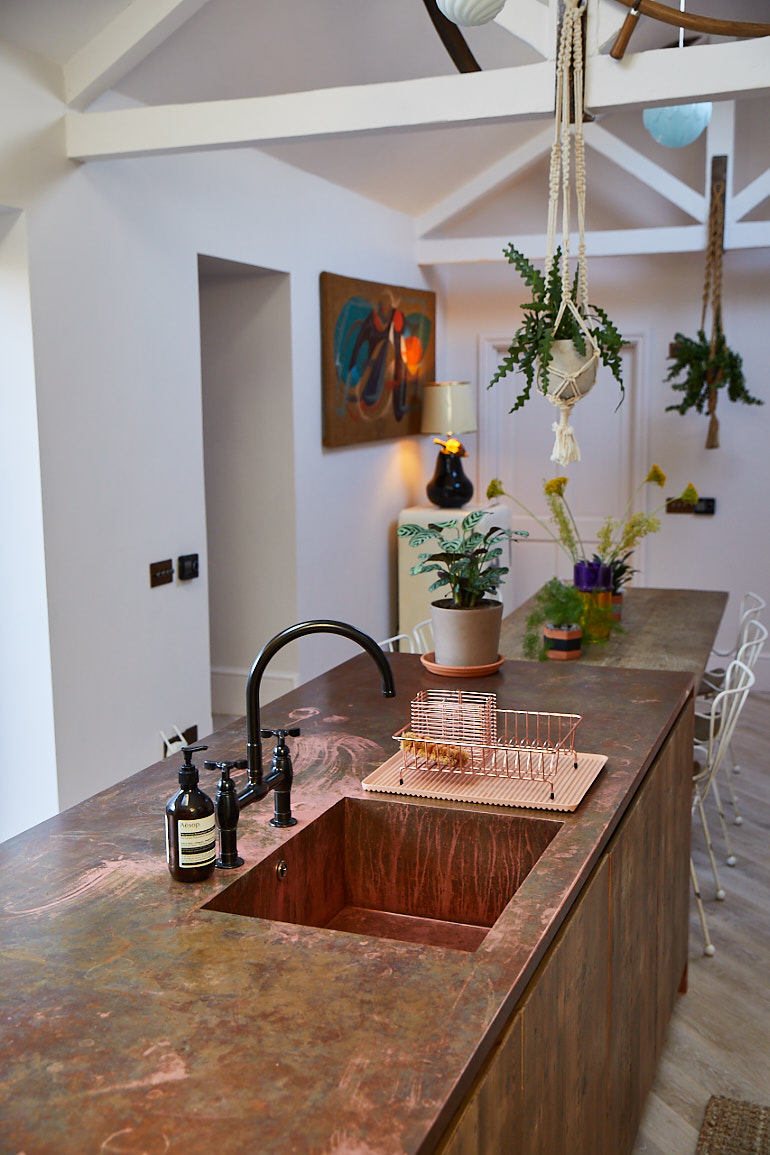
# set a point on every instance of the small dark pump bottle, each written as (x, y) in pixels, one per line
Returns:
(191, 840)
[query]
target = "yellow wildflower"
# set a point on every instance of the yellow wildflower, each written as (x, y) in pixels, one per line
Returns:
(656, 475)
(689, 494)
(495, 488)
(555, 487)
(637, 527)
(565, 533)
(604, 538)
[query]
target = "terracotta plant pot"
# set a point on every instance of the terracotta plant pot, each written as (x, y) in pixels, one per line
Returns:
(466, 637)
(617, 607)
(563, 643)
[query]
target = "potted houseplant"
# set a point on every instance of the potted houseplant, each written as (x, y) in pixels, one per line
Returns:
(608, 569)
(466, 624)
(699, 369)
(553, 629)
(550, 331)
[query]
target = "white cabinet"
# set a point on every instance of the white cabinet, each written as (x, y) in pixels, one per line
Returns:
(413, 597)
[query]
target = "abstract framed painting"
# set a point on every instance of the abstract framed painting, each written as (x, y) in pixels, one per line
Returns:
(378, 348)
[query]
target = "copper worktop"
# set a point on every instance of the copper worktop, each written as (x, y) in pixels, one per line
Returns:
(135, 1021)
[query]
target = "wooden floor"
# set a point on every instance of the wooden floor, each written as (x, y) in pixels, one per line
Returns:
(719, 1036)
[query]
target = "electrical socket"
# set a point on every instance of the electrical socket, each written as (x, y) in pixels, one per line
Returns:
(187, 566)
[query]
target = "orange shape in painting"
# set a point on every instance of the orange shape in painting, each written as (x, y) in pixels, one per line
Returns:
(412, 351)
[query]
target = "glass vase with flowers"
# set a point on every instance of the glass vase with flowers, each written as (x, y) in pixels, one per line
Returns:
(605, 573)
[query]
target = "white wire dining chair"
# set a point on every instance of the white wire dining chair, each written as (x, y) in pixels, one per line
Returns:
(708, 756)
(754, 637)
(750, 608)
(423, 636)
(399, 643)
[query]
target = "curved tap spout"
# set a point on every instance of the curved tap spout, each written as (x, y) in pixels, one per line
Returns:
(256, 788)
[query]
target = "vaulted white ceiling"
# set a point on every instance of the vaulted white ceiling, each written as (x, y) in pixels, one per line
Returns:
(363, 93)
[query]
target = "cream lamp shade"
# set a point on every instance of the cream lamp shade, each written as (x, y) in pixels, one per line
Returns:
(447, 407)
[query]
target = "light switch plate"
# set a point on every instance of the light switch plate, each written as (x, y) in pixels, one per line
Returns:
(161, 572)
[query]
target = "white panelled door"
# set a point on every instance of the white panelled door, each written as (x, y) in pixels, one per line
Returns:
(516, 447)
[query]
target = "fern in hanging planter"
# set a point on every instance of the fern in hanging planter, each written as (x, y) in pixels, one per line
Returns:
(545, 321)
(562, 337)
(699, 368)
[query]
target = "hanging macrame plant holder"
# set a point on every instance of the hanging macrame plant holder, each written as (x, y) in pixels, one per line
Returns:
(712, 290)
(571, 375)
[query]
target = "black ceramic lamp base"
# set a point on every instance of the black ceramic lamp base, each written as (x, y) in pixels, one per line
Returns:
(449, 488)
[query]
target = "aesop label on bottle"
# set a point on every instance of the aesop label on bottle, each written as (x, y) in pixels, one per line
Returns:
(197, 841)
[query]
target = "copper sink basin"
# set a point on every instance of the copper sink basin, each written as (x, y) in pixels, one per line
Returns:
(425, 874)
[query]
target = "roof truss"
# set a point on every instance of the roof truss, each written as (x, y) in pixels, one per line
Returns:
(708, 72)
(121, 46)
(608, 242)
(717, 72)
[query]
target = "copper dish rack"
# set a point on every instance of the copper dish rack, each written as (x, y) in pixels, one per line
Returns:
(463, 732)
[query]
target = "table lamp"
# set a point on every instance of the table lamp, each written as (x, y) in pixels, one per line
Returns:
(448, 409)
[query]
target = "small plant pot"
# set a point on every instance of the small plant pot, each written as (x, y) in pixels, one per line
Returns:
(466, 637)
(580, 368)
(562, 643)
(617, 607)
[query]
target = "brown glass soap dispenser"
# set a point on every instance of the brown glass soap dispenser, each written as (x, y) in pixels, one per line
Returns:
(191, 840)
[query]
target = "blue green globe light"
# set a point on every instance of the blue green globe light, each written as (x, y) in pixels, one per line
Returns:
(678, 125)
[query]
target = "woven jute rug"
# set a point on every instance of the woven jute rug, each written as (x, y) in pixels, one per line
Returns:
(732, 1127)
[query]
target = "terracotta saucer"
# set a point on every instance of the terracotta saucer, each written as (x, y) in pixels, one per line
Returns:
(430, 663)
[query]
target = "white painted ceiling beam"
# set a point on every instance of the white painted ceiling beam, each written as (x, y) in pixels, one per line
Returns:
(533, 23)
(519, 93)
(720, 141)
(747, 234)
(486, 182)
(647, 171)
(661, 76)
(749, 197)
(122, 45)
(603, 22)
(607, 242)
(600, 243)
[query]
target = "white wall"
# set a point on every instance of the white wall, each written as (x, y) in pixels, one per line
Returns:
(28, 784)
(656, 296)
(248, 435)
(115, 314)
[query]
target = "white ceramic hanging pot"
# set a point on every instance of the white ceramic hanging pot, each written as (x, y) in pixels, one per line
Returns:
(468, 13)
(570, 374)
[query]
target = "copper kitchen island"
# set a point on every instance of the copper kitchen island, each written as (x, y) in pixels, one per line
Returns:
(661, 630)
(136, 1021)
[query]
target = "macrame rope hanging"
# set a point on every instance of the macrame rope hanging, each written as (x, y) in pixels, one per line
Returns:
(712, 289)
(568, 384)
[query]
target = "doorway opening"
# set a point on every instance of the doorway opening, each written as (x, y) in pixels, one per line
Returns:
(248, 456)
